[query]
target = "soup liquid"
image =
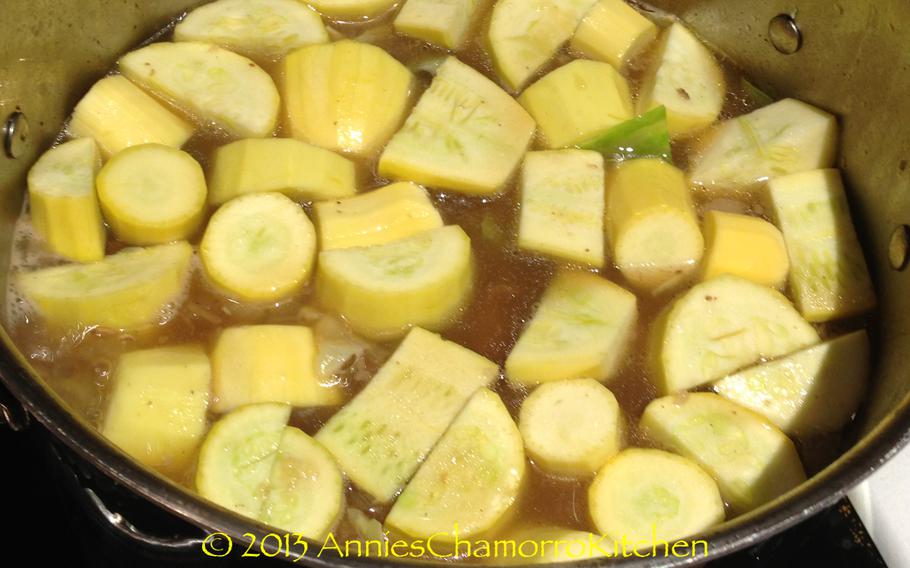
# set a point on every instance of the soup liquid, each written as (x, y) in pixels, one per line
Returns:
(508, 286)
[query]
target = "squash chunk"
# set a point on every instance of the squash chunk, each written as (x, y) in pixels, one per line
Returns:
(345, 96)
(465, 134)
(613, 32)
(813, 391)
(442, 22)
(130, 290)
(578, 102)
(296, 169)
(562, 205)
(828, 276)
(384, 290)
(156, 411)
(582, 329)
(118, 114)
(382, 216)
(63, 203)
(752, 461)
(744, 246)
(525, 34)
(268, 363)
(651, 224)
(381, 437)
(720, 326)
(211, 83)
(471, 479)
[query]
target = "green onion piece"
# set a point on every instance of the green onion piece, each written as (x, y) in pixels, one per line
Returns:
(646, 136)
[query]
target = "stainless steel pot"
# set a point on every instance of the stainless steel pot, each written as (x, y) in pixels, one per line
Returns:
(851, 57)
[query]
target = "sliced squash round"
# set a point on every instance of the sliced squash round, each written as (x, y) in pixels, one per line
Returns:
(152, 194)
(352, 10)
(267, 28)
(129, 290)
(384, 290)
(210, 83)
(306, 489)
(259, 247)
(720, 326)
(236, 458)
(572, 427)
(653, 496)
(470, 480)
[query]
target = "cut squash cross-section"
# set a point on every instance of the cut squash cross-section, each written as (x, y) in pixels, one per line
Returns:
(465, 134)
(211, 83)
(470, 480)
(525, 34)
(253, 463)
(346, 96)
(383, 290)
(152, 194)
(267, 28)
(130, 290)
(381, 437)
(720, 326)
(259, 247)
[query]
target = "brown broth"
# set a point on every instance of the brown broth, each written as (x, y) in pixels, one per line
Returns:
(509, 283)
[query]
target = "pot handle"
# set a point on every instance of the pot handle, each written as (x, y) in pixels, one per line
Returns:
(129, 531)
(12, 413)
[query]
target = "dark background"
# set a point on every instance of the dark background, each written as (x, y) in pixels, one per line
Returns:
(45, 520)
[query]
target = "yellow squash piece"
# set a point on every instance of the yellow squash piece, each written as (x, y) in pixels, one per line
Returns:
(254, 464)
(442, 22)
(130, 290)
(264, 28)
(152, 194)
(752, 461)
(828, 275)
(382, 216)
(577, 102)
(613, 32)
(744, 246)
(525, 34)
(686, 79)
(63, 203)
(651, 496)
(213, 84)
(814, 391)
(571, 428)
(470, 480)
(465, 134)
(651, 224)
(156, 411)
(562, 205)
(268, 363)
(118, 114)
(582, 329)
(384, 290)
(783, 138)
(352, 10)
(381, 436)
(294, 168)
(346, 96)
(259, 248)
(720, 326)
